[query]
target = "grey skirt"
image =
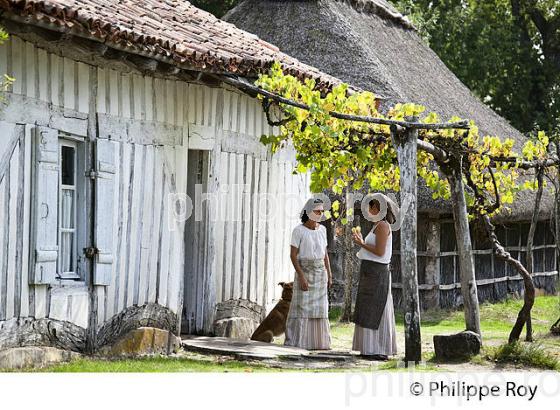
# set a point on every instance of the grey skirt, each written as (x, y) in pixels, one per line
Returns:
(373, 289)
(313, 303)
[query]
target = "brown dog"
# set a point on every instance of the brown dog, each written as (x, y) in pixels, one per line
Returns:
(275, 323)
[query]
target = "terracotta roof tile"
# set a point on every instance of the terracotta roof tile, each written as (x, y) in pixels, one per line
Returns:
(171, 29)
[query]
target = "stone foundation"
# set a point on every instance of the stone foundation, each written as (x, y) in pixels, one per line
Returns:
(142, 342)
(34, 357)
(237, 318)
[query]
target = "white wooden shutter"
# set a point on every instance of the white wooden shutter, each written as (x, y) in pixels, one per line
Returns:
(45, 206)
(104, 202)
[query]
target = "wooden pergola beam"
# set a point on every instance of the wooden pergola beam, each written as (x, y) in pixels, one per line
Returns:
(251, 88)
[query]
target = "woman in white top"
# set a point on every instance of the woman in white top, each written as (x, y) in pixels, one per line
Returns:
(307, 325)
(374, 317)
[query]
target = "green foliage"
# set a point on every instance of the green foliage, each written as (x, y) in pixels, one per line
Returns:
(3, 35)
(343, 154)
(335, 313)
(499, 52)
(527, 354)
(6, 81)
(338, 152)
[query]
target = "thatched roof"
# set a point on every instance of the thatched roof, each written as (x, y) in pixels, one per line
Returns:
(368, 44)
(170, 30)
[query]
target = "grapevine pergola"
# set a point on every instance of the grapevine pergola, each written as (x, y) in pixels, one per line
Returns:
(342, 138)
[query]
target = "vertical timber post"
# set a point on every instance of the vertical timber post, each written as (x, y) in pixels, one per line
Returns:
(347, 258)
(431, 297)
(464, 246)
(91, 155)
(557, 214)
(405, 143)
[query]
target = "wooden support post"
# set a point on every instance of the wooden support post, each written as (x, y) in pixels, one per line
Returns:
(530, 239)
(464, 246)
(406, 154)
(348, 264)
(557, 212)
(91, 156)
(431, 298)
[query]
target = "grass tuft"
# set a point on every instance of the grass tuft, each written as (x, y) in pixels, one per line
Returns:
(528, 354)
(335, 313)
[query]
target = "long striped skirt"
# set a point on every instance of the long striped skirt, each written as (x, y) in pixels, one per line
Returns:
(307, 325)
(381, 341)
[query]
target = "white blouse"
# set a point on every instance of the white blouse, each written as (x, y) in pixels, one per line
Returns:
(311, 243)
(370, 240)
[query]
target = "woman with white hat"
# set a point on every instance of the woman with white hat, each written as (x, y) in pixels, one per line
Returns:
(307, 325)
(374, 317)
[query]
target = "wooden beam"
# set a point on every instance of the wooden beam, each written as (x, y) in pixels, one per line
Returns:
(142, 64)
(168, 69)
(432, 262)
(248, 87)
(406, 147)
(14, 27)
(464, 245)
(479, 282)
(88, 46)
(5, 159)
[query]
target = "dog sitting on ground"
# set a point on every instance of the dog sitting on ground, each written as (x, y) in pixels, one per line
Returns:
(275, 323)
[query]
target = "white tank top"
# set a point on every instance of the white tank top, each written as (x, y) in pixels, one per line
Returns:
(370, 240)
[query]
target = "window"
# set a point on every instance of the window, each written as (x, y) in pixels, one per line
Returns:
(68, 221)
(60, 231)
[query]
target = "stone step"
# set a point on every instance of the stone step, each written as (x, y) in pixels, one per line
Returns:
(243, 349)
(250, 349)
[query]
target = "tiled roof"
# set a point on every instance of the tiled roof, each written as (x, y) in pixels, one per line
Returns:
(165, 29)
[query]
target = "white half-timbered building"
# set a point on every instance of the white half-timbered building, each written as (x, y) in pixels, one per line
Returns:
(118, 110)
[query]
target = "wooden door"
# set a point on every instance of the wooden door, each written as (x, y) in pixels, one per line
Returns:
(196, 245)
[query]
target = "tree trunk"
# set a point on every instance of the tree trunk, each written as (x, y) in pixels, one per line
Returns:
(529, 296)
(555, 329)
(464, 246)
(405, 144)
(530, 239)
(557, 210)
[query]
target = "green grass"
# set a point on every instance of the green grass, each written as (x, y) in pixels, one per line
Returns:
(527, 354)
(335, 313)
(201, 364)
(496, 319)
(397, 365)
(153, 365)
(496, 323)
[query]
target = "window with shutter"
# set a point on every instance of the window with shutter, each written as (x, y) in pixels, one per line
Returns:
(104, 203)
(59, 212)
(45, 206)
